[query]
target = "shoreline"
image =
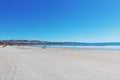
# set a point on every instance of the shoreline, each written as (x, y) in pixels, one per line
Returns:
(78, 48)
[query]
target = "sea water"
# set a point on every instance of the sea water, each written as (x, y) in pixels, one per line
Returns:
(100, 47)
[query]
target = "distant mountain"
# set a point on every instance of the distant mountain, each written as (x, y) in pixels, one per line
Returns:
(37, 42)
(17, 42)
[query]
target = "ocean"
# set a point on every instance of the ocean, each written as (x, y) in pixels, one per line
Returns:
(102, 46)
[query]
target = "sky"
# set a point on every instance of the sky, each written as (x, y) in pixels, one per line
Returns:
(60, 20)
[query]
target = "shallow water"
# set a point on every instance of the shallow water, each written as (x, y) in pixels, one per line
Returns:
(82, 47)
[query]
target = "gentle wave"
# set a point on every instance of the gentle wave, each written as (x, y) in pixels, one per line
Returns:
(82, 47)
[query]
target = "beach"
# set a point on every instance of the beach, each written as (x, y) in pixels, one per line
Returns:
(35, 63)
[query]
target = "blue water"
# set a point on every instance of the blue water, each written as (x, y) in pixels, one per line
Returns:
(83, 46)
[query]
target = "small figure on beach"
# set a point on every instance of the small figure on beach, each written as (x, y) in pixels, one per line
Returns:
(43, 47)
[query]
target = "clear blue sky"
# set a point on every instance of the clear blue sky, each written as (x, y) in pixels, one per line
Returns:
(60, 20)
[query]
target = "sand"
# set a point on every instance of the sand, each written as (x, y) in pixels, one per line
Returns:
(32, 63)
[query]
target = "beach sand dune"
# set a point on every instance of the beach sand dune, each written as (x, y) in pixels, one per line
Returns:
(32, 63)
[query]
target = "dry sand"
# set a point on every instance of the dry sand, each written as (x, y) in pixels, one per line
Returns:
(30, 63)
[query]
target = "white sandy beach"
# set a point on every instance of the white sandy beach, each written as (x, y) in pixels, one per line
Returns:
(32, 63)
